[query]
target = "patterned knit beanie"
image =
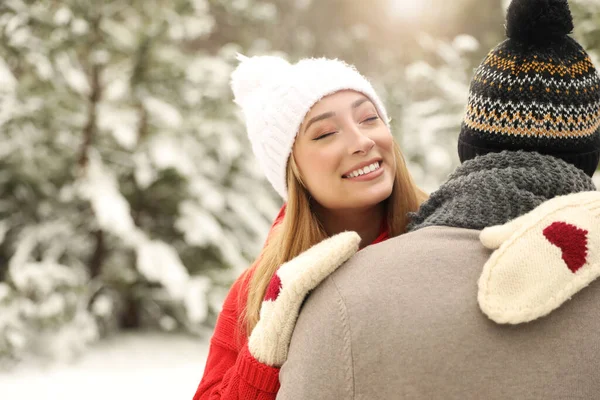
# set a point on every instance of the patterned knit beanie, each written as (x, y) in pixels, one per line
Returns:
(536, 91)
(275, 96)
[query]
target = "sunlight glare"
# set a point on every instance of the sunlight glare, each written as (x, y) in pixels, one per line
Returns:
(408, 9)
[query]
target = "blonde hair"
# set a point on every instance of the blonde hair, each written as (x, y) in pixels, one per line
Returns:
(301, 229)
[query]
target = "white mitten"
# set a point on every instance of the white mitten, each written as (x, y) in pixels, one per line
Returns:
(542, 258)
(270, 339)
(494, 236)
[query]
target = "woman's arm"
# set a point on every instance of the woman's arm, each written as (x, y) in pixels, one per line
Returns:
(232, 375)
(231, 372)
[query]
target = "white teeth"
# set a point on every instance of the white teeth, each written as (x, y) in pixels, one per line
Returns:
(365, 170)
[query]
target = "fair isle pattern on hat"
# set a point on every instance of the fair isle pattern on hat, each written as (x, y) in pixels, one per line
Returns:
(571, 106)
(536, 91)
(275, 96)
(541, 259)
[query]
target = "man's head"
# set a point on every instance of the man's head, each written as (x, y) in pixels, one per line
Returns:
(536, 91)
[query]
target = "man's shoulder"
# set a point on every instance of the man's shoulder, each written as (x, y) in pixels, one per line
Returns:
(388, 272)
(392, 290)
(422, 247)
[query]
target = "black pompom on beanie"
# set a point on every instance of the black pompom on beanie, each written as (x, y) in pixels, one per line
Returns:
(536, 91)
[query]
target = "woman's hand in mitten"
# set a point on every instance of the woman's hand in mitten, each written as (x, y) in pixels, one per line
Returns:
(270, 339)
(542, 258)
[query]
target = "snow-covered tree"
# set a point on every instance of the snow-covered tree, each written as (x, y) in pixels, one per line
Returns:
(434, 98)
(129, 197)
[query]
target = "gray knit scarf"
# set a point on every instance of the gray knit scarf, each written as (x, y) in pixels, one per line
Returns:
(494, 188)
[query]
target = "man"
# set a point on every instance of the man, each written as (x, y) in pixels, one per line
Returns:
(404, 319)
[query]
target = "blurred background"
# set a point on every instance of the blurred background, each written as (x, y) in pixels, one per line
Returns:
(130, 199)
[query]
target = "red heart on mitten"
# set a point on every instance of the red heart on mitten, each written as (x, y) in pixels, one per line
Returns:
(274, 288)
(571, 240)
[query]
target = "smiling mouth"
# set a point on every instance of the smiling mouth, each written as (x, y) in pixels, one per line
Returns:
(364, 171)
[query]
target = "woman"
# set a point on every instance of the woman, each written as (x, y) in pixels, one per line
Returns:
(321, 135)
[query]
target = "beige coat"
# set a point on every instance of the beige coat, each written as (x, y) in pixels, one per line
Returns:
(400, 320)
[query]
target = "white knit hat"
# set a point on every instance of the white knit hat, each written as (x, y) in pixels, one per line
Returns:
(275, 96)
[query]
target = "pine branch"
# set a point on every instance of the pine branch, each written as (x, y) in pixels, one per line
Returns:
(89, 134)
(99, 254)
(90, 130)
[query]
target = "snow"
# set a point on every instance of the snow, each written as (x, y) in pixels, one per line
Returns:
(8, 82)
(63, 16)
(73, 73)
(419, 70)
(110, 207)
(119, 33)
(199, 227)
(164, 112)
(191, 27)
(145, 366)
(144, 173)
(213, 73)
(121, 121)
(198, 26)
(438, 157)
(159, 262)
(100, 56)
(117, 87)
(265, 11)
(465, 43)
(195, 300)
(245, 211)
(3, 230)
(209, 195)
(102, 306)
(167, 152)
(42, 277)
(200, 6)
(240, 5)
(4, 291)
(80, 27)
(43, 66)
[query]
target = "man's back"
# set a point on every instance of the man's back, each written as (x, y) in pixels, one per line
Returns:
(401, 320)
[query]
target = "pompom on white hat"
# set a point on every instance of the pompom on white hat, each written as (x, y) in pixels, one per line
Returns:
(275, 96)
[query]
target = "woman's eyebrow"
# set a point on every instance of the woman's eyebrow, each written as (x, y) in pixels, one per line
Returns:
(332, 114)
(359, 102)
(319, 118)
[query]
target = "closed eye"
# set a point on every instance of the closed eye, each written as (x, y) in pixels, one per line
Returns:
(324, 136)
(371, 119)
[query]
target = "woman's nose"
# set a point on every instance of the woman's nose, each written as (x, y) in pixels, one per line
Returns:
(361, 143)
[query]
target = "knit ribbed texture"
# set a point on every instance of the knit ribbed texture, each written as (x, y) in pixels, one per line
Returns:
(279, 101)
(535, 92)
(261, 376)
(497, 187)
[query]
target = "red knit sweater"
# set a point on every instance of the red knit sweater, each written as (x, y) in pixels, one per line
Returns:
(231, 372)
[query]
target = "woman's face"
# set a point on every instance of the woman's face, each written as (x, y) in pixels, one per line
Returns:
(344, 152)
